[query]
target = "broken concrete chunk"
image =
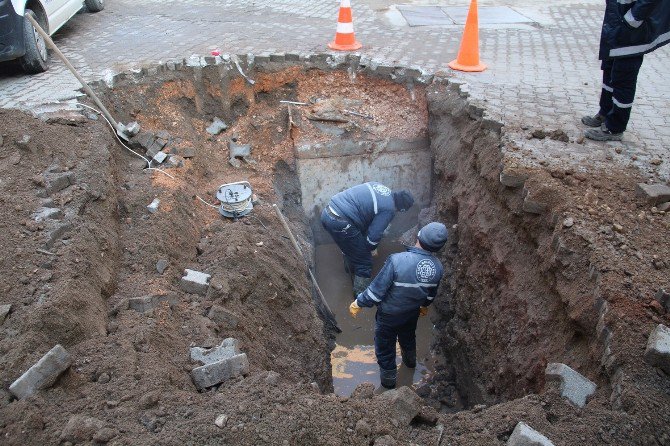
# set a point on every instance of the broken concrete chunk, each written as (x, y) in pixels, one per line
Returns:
(509, 178)
(56, 183)
(4, 311)
(223, 317)
(228, 348)
(43, 374)
(24, 142)
(195, 282)
(146, 303)
(663, 297)
(153, 207)
(524, 435)
(159, 157)
(239, 152)
(161, 266)
(653, 194)
(81, 429)
(216, 127)
(573, 385)
(403, 403)
(56, 234)
(218, 372)
(658, 348)
(42, 214)
(533, 207)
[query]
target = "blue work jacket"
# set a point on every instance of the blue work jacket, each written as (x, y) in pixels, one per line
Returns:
(369, 207)
(634, 27)
(407, 281)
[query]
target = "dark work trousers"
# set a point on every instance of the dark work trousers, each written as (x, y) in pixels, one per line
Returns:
(351, 241)
(616, 97)
(390, 328)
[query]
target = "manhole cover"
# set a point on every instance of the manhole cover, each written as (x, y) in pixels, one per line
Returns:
(456, 15)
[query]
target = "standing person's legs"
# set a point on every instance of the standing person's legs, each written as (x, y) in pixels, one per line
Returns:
(606, 92)
(352, 243)
(624, 83)
(407, 340)
(385, 339)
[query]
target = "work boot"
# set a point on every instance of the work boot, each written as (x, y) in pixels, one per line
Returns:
(603, 134)
(409, 358)
(360, 284)
(388, 377)
(593, 121)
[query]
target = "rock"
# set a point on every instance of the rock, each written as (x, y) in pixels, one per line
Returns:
(617, 228)
(4, 311)
(80, 429)
(427, 415)
(402, 403)
(533, 207)
(509, 178)
(195, 282)
(174, 162)
(662, 296)
(363, 428)
(363, 391)
(221, 421)
(104, 378)
(573, 386)
(161, 266)
(153, 207)
(24, 143)
(568, 222)
(159, 157)
(147, 303)
(223, 317)
(149, 400)
(215, 373)
(57, 233)
(43, 374)
(524, 435)
(653, 194)
(385, 440)
(104, 435)
(539, 134)
(657, 352)
(216, 127)
(664, 207)
(44, 213)
(187, 152)
(272, 378)
(228, 347)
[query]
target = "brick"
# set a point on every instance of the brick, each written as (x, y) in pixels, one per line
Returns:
(43, 374)
(573, 386)
(524, 435)
(218, 372)
(195, 282)
(653, 194)
(402, 403)
(657, 352)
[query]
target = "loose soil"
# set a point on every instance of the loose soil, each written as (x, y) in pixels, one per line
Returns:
(522, 290)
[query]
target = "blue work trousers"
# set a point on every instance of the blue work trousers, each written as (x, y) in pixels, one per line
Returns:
(351, 241)
(390, 328)
(618, 92)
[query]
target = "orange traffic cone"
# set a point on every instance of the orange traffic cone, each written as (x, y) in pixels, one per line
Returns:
(468, 55)
(344, 37)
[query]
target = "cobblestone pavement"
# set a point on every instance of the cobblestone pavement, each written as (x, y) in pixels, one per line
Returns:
(542, 76)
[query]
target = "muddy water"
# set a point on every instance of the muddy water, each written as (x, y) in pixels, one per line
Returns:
(353, 358)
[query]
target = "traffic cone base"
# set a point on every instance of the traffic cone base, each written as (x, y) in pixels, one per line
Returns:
(454, 65)
(344, 36)
(350, 47)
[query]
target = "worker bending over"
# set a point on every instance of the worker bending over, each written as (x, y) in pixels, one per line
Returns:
(357, 219)
(402, 291)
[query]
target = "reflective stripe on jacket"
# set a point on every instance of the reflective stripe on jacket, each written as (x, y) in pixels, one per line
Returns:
(634, 27)
(407, 281)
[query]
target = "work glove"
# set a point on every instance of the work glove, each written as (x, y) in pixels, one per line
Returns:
(354, 308)
(423, 311)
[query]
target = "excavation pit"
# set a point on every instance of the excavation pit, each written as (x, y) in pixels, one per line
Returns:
(525, 285)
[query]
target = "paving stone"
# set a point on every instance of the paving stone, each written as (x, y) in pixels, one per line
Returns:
(45, 213)
(218, 372)
(653, 194)
(573, 385)
(43, 374)
(195, 282)
(146, 303)
(4, 311)
(228, 348)
(658, 348)
(524, 435)
(402, 403)
(223, 317)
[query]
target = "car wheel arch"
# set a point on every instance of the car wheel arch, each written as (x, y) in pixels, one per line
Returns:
(38, 9)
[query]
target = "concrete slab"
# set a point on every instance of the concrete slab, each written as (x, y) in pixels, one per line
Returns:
(488, 15)
(573, 385)
(417, 15)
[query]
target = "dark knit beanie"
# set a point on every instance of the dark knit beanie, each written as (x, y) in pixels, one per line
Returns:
(403, 200)
(433, 236)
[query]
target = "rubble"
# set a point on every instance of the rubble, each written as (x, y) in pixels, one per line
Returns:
(653, 194)
(223, 317)
(657, 352)
(239, 152)
(195, 282)
(161, 266)
(663, 297)
(220, 364)
(43, 374)
(47, 213)
(153, 207)
(146, 303)
(524, 435)
(216, 127)
(573, 385)
(402, 403)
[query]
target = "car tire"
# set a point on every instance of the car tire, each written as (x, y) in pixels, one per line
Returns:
(95, 5)
(36, 59)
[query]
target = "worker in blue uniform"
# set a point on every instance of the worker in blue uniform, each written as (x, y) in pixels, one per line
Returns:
(402, 291)
(631, 28)
(357, 219)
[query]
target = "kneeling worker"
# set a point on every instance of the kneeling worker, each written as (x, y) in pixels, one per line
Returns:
(357, 219)
(402, 291)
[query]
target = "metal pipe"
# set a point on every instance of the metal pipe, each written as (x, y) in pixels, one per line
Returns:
(67, 63)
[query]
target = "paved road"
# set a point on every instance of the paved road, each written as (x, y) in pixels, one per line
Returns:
(542, 74)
